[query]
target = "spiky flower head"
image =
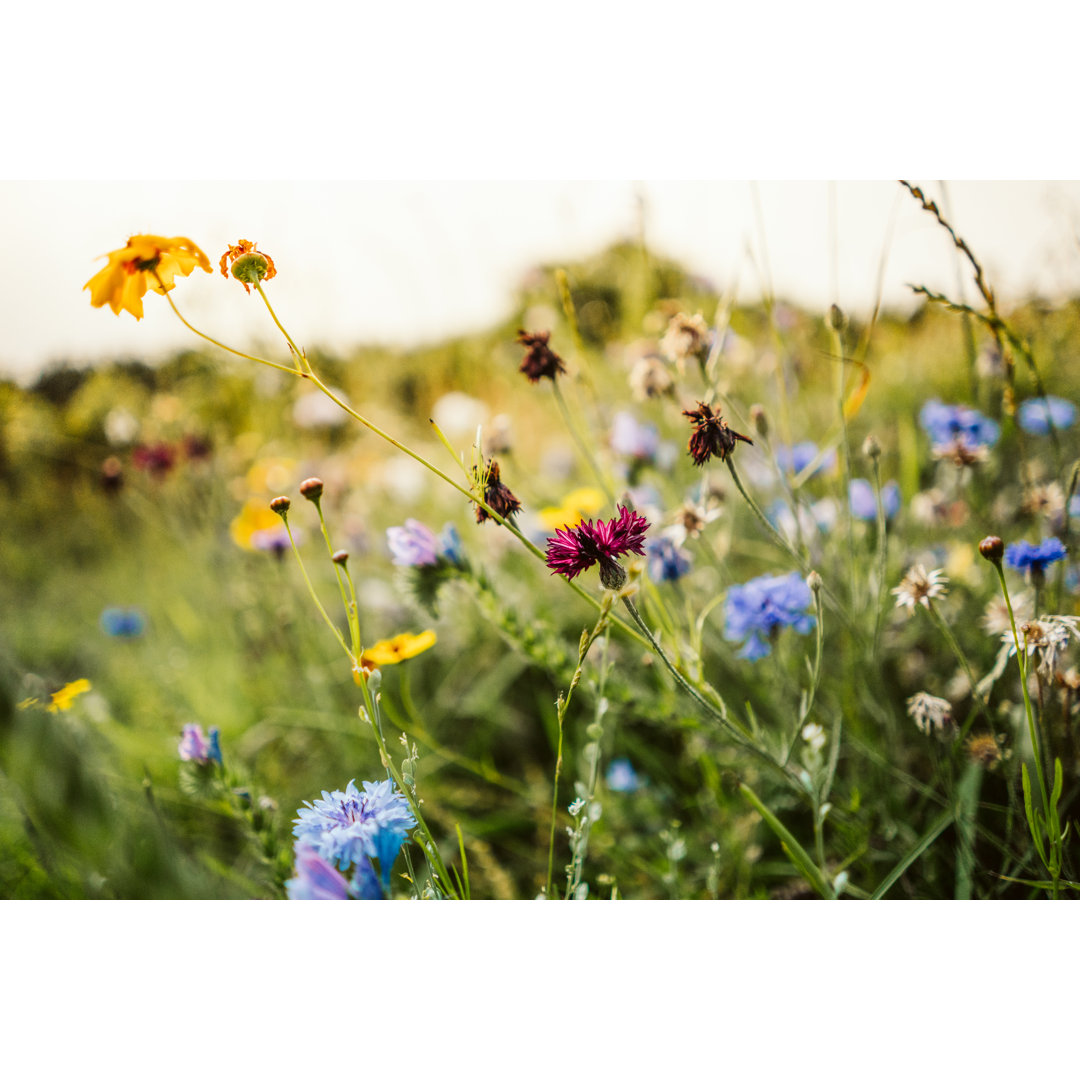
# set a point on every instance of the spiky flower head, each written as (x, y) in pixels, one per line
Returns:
(202, 749)
(711, 436)
(986, 750)
(1034, 558)
(540, 361)
(920, 586)
(572, 550)
(755, 612)
(686, 336)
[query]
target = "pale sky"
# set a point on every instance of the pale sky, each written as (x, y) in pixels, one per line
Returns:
(413, 261)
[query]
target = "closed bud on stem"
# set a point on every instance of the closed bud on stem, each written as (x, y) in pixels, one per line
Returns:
(312, 489)
(759, 420)
(837, 319)
(871, 448)
(813, 579)
(992, 549)
(340, 557)
(281, 505)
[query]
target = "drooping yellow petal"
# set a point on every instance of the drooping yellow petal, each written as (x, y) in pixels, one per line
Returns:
(62, 699)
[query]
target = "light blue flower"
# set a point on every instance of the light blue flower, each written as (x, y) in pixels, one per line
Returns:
(633, 439)
(450, 545)
(123, 622)
(1037, 415)
(950, 424)
(350, 826)
(796, 458)
(666, 561)
(1034, 557)
(864, 505)
(316, 879)
(753, 612)
(412, 544)
(621, 776)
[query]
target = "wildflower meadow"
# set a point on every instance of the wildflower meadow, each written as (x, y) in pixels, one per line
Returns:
(641, 593)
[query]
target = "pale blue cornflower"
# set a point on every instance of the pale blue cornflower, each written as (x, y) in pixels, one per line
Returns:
(957, 427)
(347, 827)
(1038, 415)
(666, 561)
(412, 544)
(621, 776)
(755, 612)
(316, 879)
(633, 439)
(123, 622)
(795, 458)
(863, 503)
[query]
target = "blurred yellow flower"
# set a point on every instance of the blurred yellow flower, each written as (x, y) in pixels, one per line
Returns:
(393, 651)
(131, 271)
(580, 503)
(256, 526)
(62, 699)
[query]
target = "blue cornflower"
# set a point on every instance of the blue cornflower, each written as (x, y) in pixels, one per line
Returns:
(350, 826)
(755, 611)
(1034, 557)
(1037, 415)
(666, 561)
(412, 544)
(123, 622)
(621, 776)
(864, 505)
(950, 425)
(635, 440)
(796, 458)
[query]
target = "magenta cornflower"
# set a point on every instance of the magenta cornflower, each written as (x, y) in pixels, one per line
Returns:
(570, 551)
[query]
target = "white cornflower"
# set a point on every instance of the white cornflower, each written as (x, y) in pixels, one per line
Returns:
(995, 618)
(814, 734)
(686, 336)
(931, 714)
(1046, 637)
(688, 522)
(650, 378)
(919, 586)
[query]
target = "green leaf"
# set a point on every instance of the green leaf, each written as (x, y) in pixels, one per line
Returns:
(1033, 824)
(940, 824)
(792, 848)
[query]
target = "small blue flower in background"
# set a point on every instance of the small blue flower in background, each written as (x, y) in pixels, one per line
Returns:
(349, 827)
(864, 505)
(123, 622)
(412, 544)
(621, 776)
(635, 440)
(1037, 415)
(752, 612)
(950, 424)
(666, 561)
(796, 458)
(195, 746)
(1034, 557)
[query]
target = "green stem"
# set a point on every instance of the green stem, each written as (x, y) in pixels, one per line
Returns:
(301, 360)
(584, 450)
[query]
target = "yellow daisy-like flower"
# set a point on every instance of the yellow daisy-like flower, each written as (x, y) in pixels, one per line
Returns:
(580, 503)
(62, 699)
(393, 651)
(133, 269)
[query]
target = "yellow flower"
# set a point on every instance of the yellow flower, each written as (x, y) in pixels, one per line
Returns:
(393, 651)
(254, 525)
(580, 503)
(133, 269)
(62, 699)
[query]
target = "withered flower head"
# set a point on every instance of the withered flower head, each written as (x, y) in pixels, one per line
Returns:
(496, 494)
(249, 265)
(711, 436)
(986, 750)
(540, 361)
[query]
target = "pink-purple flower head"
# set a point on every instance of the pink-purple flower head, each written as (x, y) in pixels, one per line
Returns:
(414, 544)
(350, 827)
(200, 748)
(316, 879)
(572, 550)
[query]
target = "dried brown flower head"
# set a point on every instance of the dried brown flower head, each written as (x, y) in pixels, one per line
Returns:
(540, 361)
(247, 262)
(711, 436)
(496, 494)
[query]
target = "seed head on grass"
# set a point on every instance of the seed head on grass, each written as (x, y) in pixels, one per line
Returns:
(572, 550)
(711, 436)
